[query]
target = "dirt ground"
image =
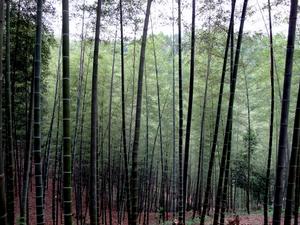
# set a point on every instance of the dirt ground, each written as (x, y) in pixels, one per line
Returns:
(253, 219)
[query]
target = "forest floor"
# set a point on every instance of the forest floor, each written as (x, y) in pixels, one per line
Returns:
(256, 218)
(253, 219)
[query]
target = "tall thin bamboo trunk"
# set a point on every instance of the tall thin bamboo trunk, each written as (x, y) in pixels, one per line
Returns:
(297, 195)
(3, 210)
(293, 166)
(132, 93)
(79, 85)
(198, 196)
(81, 178)
(226, 181)
(17, 178)
(180, 138)
(217, 123)
(227, 167)
(174, 163)
(48, 143)
(282, 148)
(148, 178)
(190, 109)
(163, 175)
(67, 167)
(135, 148)
(76, 161)
(110, 189)
(37, 118)
(27, 159)
(248, 147)
(9, 152)
(56, 157)
(226, 150)
(94, 125)
(266, 194)
(124, 137)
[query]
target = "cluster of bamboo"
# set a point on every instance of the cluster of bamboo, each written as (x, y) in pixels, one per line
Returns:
(7, 215)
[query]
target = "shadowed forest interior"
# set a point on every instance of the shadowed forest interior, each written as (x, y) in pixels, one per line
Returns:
(149, 112)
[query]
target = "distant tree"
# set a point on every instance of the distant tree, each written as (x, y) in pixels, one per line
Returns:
(240, 165)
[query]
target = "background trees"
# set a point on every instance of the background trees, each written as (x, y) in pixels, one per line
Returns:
(139, 141)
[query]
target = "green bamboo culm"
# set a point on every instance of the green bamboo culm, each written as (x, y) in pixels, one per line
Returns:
(227, 138)
(217, 121)
(9, 150)
(123, 114)
(285, 104)
(135, 148)
(67, 185)
(272, 115)
(3, 213)
(37, 118)
(190, 109)
(291, 191)
(180, 123)
(94, 125)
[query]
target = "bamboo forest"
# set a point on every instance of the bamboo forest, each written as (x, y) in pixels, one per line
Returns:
(148, 112)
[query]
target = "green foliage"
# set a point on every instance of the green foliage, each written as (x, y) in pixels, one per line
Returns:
(255, 54)
(22, 51)
(240, 164)
(250, 139)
